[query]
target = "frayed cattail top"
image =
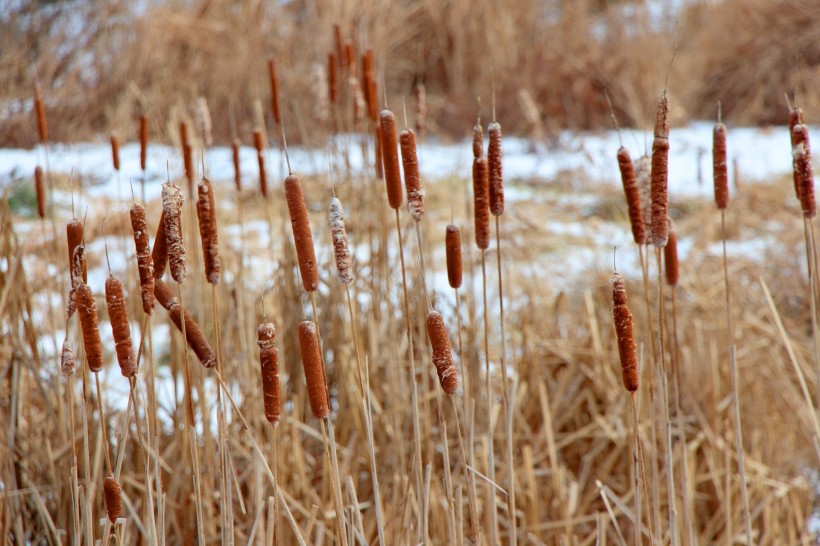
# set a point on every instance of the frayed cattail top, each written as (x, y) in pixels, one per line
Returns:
(442, 352)
(481, 203)
(302, 236)
(78, 265)
(633, 197)
(660, 172)
(74, 234)
(341, 250)
(40, 191)
(494, 160)
(237, 171)
(719, 167)
(670, 256)
(143, 141)
(623, 330)
(172, 211)
(452, 243)
(87, 309)
(203, 121)
(478, 141)
(121, 331)
(274, 92)
(113, 499)
(206, 214)
(115, 151)
(412, 182)
(145, 264)
(314, 370)
(40, 111)
(390, 158)
(67, 361)
(269, 361)
(795, 118)
(804, 170)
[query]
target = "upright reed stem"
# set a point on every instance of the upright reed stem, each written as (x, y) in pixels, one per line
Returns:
(488, 393)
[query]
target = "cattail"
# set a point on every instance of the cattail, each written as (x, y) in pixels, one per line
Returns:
(164, 295)
(314, 370)
(321, 95)
(159, 254)
(719, 167)
(203, 121)
(115, 151)
(113, 499)
(390, 158)
(269, 361)
(302, 237)
(660, 172)
(804, 170)
(67, 362)
(190, 173)
(74, 234)
(670, 257)
(87, 309)
(40, 191)
(643, 178)
(340, 44)
(478, 141)
(206, 214)
(76, 274)
(420, 93)
(143, 141)
(373, 106)
(259, 144)
(481, 203)
(40, 110)
(359, 104)
(496, 174)
(442, 353)
(117, 315)
(237, 172)
(350, 58)
(623, 329)
(333, 78)
(795, 118)
(633, 198)
(452, 242)
(145, 263)
(377, 152)
(172, 210)
(341, 250)
(183, 134)
(274, 92)
(412, 182)
(193, 334)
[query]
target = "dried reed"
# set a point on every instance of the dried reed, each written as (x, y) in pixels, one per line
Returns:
(145, 263)
(496, 174)
(452, 243)
(442, 352)
(40, 191)
(172, 212)
(660, 172)
(302, 237)
(412, 182)
(87, 310)
(633, 197)
(118, 316)
(269, 361)
(341, 250)
(719, 166)
(314, 370)
(206, 214)
(113, 499)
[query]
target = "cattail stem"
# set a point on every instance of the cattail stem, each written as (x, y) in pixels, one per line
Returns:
(226, 508)
(811, 263)
(330, 449)
(102, 422)
(491, 504)
(640, 471)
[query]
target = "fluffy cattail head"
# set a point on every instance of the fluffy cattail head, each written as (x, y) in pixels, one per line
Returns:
(87, 310)
(269, 361)
(115, 301)
(719, 167)
(314, 370)
(113, 499)
(633, 197)
(40, 111)
(237, 172)
(341, 250)
(274, 92)
(623, 330)
(481, 203)
(40, 191)
(452, 242)
(78, 266)
(67, 362)
(115, 151)
(412, 182)
(390, 158)
(74, 234)
(203, 121)
(302, 237)
(670, 256)
(172, 211)
(442, 352)
(145, 264)
(494, 159)
(193, 333)
(804, 170)
(206, 214)
(143, 141)
(420, 93)
(660, 173)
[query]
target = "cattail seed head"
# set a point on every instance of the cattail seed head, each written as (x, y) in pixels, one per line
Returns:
(670, 257)
(303, 239)
(314, 370)
(145, 264)
(623, 329)
(40, 191)
(412, 182)
(74, 234)
(795, 118)
(333, 78)
(206, 214)
(113, 499)
(193, 334)
(494, 157)
(350, 58)
(452, 243)
(274, 92)
(660, 173)
(442, 352)
(804, 170)
(203, 121)
(115, 151)
(143, 141)
(341, 250)
(390, 158)
(115, 301)
(164, 295)
(478, 141)
(67, 362)
(719, 167)
(420, 93)
(87, 310)
(633, 198)
(172, 211)
(269, 361)
(481, 203)
(159, 254)
(237, 172)
(40, 111)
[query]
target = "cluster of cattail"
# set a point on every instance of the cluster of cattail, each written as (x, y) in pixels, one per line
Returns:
(670, 257)
(442, 352)
(623, 329)
(115, 302)
(302, 237)
(115, 151)
(314, 370)
(172, 213)
(87, 310)
(390, 158)
(259, 144)
(341, 250)
(803, 170)
(40, 191)
(452, 243)
(481, 190)
(660, 173)
(206, 214)
(145, 263)
(633, 198)
(269, 361)
(719, 167)
(274, 92)
(412, 182)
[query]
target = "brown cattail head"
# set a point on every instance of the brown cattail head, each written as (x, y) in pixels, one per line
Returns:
(452, 242)
(193, 333)
(115, 301)
(340, 44)
(143, 141)
(481, 203)
(274, 92)
(172, 211)
(40, 111)
(478, 141)
(314, 370)
(159, 254)
(164, 295)
(67, 362)
(719, 167)
(190, 170)
(670, 257)
(390, 158)
(341, 250)
(373, 93)
(412, 182)
(420, 93)
(633, 197)
(237, 172)
(332, 78)
(145, 264)
(115, 151)
(269, 361)
(183, 134)
(206, 214)
(302, 237)
(442, 353)
(623, 329)
(87, 309)
(803, 169)
(203, 121)
(113, 499)
(76, 274)
(74, 234)
(795, 118)
(660, 173)
(40, 191)
(494, 157)
(377, 152)
(350, 58)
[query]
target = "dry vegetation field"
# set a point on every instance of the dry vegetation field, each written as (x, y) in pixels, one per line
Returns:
(329, 345)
